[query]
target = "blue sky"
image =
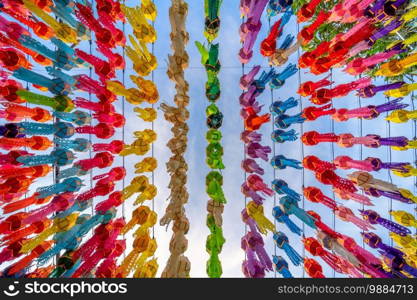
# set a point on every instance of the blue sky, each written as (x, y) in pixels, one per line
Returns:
(233, 227)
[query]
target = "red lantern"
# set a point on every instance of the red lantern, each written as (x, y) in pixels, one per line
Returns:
(307, 11)
(269, 45)
(307, 33)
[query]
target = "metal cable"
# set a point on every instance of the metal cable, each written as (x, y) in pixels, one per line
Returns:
(123, 129)
(153, 128)
(90, 137)
(333, 156)
(389, 155)
(361, 157)
(244, 152)
(274, 154)
(300, 100)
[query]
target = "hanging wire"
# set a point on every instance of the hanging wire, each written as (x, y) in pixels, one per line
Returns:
(389, 155)
(26, 209)
(123, 129)
(333, 155)
(274, 154)
(153, 127)
(244, 151)
(300, 100)
(90, 137)
(28, 57)
(360, 120)
(55, 172)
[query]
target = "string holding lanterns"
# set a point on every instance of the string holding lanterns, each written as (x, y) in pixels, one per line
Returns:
(139, 261)
(256, 262)
(178, 265)
(214, 150)
(283, 120)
